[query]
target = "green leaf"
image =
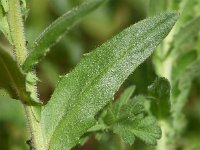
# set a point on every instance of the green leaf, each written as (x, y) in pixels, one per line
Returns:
(160, 91)
(132, 121)
(189, 31)
(134, 107)
(126, 95)
(126, 134)
(145, 129)
(12, 78)
(54, 32)
(81, 94)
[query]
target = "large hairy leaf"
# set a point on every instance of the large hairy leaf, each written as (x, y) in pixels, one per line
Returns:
(91, 85)
(55, 31)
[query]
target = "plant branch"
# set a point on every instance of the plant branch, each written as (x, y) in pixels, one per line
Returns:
(17, 30)
(15, 22)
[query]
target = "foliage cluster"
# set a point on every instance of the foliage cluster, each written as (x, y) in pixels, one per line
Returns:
(149, 104)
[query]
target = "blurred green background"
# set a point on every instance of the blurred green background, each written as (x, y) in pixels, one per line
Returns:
(96, 28)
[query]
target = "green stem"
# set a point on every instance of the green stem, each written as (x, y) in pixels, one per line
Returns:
(35, 129)
(162, 144)
(15, 22)
(165, 143)
(17, 30)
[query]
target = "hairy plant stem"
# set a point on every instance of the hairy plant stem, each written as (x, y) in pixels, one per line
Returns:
(37, 141)
(17, 31)
(15, 22)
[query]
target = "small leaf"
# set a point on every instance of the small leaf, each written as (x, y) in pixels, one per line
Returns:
(54, 32)
(132, 122)
(109, 116)
(12, 78)
(132, 109)
(125, 133)
(81, 94)
(110, 113)
(126, 95)
(160, 91)
(145, 128)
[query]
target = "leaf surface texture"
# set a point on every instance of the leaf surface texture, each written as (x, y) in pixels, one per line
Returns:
(82, 93)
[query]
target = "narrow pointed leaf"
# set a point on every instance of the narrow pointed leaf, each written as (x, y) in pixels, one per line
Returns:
(92, 84)
(12, 78)
(55, 31)
(124, 98)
